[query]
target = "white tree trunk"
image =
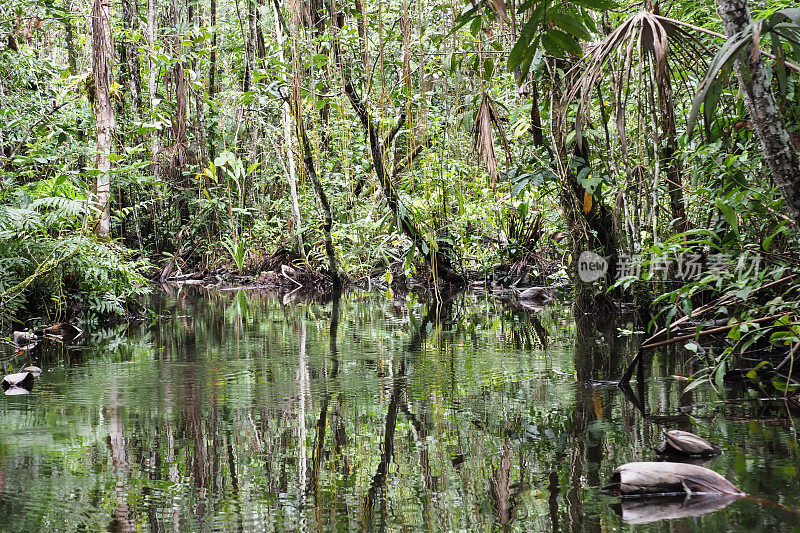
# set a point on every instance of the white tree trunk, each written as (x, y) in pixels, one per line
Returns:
(102, 62)
(287, 141)
(151, 77)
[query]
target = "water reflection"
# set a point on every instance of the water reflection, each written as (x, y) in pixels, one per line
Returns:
(234, 411)
(647, 510)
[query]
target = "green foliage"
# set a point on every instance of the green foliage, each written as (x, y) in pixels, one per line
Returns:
(783, 29)
(49, 264)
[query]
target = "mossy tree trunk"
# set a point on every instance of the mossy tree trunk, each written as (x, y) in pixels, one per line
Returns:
(102, 62)
(759, 100)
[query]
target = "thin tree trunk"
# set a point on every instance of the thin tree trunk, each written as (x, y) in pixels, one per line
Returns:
(212, 63)
(589, 219)
(249, 45)
(440, 264)
(754, 81)
(199, 122)
(130, 18)
(307, 154)
(102, 61)
(251, 122)
(180, 157)
(69, 34)
(151, 79)
(674, 178)
(212, 73)
(287, 139)
(536, 119)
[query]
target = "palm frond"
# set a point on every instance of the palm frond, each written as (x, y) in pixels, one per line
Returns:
(483, 133)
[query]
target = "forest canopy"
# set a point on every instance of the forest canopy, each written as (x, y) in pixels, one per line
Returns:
(444, 142)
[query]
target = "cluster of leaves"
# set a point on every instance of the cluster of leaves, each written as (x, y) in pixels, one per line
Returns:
(50, 262)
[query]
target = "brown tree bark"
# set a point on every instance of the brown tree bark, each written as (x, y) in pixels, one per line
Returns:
(130, 51)
(674, 178)
(212, 62)
(102, 61)
(754, 81)
(306, 152)
(69, 34)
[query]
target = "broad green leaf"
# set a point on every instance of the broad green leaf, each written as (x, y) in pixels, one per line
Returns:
(569, 24)
(780, 229)
(726, 54)
(558, 43)
(730, 217)
(521, 47)
(488, 68)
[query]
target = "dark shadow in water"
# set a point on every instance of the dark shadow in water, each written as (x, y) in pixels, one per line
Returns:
(599, 351)
(322, 422)
(435, 315)
(646, 510)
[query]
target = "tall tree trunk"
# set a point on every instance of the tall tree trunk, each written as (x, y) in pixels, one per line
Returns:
(102, 61)
(199, 122)
(590, 221)
(155, 146)
(307, 154)
(249, 45)
(666, 104)
(133, 77)
(212, 62)
(287, 137)
(251, 124)
(212, 74)
(69, 34)
(181, 156)
(754, 81)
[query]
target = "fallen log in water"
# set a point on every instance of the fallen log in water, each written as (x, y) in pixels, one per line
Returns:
(19, 383)
(665, 479)
(677, 442)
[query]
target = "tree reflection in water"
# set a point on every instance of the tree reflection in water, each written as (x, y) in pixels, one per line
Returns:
(235, 411)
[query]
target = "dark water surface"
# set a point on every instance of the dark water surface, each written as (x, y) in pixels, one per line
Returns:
(232, 411)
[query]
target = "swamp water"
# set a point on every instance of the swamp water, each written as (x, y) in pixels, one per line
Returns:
(232, 411)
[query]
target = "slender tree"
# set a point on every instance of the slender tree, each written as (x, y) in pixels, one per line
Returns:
(102, 62)
(69, 34)
(130, 52)
(155, 144)
(306, 152)
(286, 126)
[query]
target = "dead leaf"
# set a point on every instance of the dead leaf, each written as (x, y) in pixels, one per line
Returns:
(484, 136)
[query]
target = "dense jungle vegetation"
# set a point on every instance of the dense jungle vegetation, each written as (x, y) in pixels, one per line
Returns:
(449, 143)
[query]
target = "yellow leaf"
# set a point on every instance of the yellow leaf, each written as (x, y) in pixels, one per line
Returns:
(587, 201)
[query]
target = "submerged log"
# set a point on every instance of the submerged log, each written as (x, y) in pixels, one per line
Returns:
(35, 370)
(20, 380)
(660, 479)
(539, 294)
(643, 511)
(62, 329)
(684, 443)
